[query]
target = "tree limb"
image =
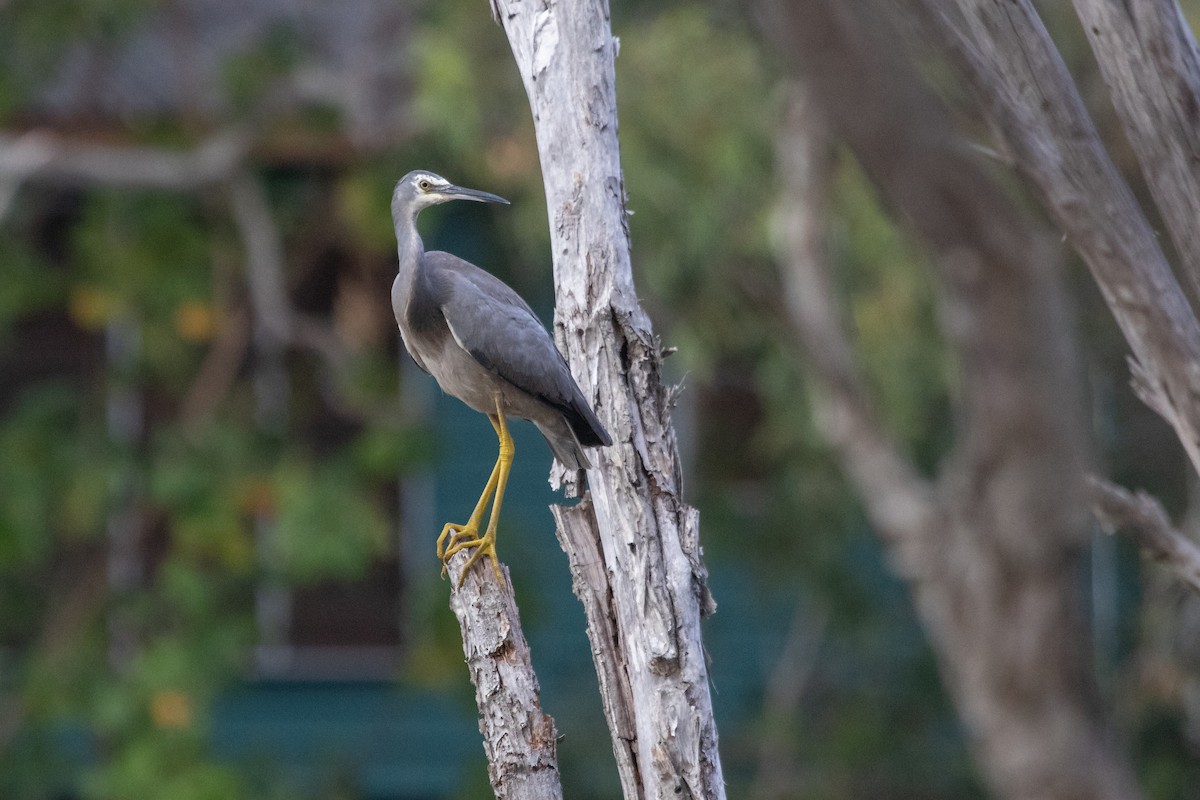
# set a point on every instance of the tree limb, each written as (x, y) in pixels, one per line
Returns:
(1144, 518)
(518, 736)
(993, 570)
(50, 157)
(900, 501)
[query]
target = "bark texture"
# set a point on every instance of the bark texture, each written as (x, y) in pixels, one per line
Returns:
(991, 549)
(1021, 82)
(634, 547)
(518, 736)
(1147, 55)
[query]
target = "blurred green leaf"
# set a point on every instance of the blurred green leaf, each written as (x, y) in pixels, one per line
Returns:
(324, 526)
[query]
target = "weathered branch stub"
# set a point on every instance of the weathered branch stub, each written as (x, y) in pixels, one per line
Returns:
(518, 736)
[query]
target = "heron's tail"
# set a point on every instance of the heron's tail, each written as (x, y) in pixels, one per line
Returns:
(565, 446)
(585, 425)
(563, 434)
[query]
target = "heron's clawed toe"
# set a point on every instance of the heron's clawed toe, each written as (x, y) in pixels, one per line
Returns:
(485, 546)
(452, 534)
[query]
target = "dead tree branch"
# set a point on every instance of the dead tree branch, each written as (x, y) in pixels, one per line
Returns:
(1021, 82)
(49, 157)
(1148, 58)
(1147, 522)
(518, 736)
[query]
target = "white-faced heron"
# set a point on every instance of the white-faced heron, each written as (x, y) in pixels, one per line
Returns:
(485, 346)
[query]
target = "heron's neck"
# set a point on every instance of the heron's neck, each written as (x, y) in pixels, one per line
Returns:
(409, 247)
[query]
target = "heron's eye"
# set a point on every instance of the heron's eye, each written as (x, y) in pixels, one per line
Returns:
(424, 185)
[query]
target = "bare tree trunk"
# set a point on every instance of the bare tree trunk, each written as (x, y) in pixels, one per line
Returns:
(992, 548)
(518, 736)
(633, 548)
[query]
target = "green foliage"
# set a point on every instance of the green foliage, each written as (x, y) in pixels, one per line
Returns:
(325, 526)
(144, 258)
(211, 488)
(252, 73)
(53, 478)
(30, 285)
(697, 149)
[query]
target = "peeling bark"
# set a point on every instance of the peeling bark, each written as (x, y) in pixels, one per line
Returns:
(634, 549)
(1147, 55)
(518, 736)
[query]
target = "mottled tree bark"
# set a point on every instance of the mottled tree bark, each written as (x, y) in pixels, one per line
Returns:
(992, 548)
(518, 736)
(633, 544)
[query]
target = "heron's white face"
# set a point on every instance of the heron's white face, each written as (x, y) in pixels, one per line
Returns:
(427, 188)
(420, 189)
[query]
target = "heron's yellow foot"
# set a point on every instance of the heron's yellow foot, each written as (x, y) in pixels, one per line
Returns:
(485, 546)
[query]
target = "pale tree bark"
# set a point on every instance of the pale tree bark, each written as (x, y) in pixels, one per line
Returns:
(1148, 58)
(1003, 50)
(518, 736)
(633, 544)
(992, 547)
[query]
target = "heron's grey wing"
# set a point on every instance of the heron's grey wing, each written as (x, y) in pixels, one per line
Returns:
(499, 329)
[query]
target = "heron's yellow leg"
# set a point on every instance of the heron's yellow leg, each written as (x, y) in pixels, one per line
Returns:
(485, 545)
(453, 531)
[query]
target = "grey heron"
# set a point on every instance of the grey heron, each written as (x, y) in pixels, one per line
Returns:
(485, 346)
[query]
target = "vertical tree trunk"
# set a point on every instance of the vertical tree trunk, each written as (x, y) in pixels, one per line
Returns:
(633, 547)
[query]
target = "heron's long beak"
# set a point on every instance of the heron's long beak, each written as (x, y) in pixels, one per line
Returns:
(463, 193)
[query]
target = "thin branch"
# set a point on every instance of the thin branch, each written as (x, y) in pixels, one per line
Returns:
(23, 156)
(518, 736)
(265, 265)
(1144, 518)
(78, 589)
(266, 269)
(47, 156)
(217, 372)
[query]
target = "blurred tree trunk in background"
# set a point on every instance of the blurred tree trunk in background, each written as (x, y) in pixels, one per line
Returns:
(992, 548)
(633, 543)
